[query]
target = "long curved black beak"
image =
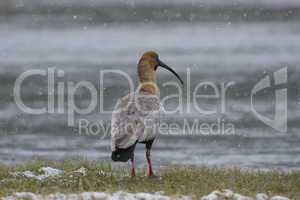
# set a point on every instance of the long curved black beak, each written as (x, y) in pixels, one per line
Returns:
(163, 65)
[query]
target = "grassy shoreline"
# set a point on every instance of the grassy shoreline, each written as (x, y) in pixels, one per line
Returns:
(174, 180)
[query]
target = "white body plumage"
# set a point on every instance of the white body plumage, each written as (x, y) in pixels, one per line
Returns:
(134, 119)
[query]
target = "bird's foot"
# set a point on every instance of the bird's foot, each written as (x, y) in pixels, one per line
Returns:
(153, 176)
(133, 175)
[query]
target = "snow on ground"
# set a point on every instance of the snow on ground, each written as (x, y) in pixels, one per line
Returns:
(44, 172)
(81, 170)
(228, 194)
(215, 195)
(48, 172)
(225, 194)
(279, 198)
(261, 196)
(93, 196)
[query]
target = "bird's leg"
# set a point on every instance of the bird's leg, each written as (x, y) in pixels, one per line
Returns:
(132, 166)
(148, 157)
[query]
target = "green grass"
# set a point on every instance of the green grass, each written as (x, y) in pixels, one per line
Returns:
(175, 180)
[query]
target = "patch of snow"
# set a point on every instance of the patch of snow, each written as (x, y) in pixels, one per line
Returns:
(261, 196)
(93, 196)
(45, 172)
(219, 194)
(28, 174)
(241, 197)
(121, 195)
(25, 195)
(225, 194)
(211, 196)
(279, 198)
(139, 196)
(81, 170)
(49, 171)
(104, 173)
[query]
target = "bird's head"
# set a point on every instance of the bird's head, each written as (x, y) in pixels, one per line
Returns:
(148, 64)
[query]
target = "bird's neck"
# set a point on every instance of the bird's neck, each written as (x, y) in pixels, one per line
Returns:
(148, 87)
(147, 76)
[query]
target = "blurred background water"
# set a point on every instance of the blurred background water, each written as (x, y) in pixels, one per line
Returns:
(219, 41)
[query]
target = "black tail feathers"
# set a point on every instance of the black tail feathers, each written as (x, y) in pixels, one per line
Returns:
(123, 155)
